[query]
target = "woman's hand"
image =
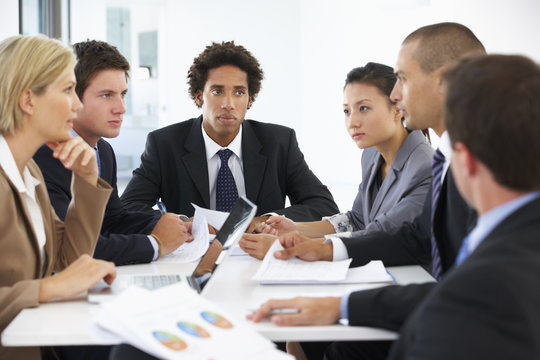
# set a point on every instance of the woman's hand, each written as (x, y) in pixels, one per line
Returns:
(276, 225)
(79, 276)
(76, 155)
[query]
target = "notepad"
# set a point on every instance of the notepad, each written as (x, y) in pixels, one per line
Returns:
(297, 271)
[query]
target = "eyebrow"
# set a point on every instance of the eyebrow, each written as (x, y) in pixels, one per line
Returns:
(235, 86)
(359, 102)
(111, 91)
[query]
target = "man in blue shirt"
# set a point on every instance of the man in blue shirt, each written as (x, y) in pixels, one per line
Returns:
(127, 237)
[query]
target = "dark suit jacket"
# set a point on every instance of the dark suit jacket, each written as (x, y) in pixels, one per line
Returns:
(173, 168)
(488, 307)
(123, 236)
(388, 307)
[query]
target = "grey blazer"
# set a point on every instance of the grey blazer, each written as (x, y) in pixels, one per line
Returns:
(403, 192)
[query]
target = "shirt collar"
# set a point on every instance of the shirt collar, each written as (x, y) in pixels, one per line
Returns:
(27, 182)
(212, 147)
(492, 218)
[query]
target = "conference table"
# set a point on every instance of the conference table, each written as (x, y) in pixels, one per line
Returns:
(68, 322)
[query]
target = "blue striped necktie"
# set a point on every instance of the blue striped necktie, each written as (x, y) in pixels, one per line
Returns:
(226, 192)
(437, 170)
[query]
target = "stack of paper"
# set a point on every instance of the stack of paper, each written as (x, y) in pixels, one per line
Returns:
(297, 271)
(174, 322)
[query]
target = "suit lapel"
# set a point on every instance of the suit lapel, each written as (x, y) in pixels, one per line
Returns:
(27, 223)
(371, 179)
(195, 161)
(254, 162)
(386, 185)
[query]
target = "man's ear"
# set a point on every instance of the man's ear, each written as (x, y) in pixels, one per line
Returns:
(26, 101)
(469, 162)
(199, 98)
(250, 101)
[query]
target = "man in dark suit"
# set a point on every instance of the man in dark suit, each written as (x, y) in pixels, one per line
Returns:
(182, 163)
(487, 306)
(423, 56)
(102, 74)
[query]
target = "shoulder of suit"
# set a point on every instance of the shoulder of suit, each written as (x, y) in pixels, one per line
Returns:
(263, 126)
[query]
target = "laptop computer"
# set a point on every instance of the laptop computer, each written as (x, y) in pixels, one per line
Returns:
(232, 229)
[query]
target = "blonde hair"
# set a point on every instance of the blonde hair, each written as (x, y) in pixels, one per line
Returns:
(28, 62)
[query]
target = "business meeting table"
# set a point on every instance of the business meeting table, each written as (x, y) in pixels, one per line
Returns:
(68, 322)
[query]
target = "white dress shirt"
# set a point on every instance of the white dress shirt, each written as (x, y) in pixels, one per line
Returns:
(26, 185)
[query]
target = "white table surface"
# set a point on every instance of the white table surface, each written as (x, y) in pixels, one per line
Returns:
(67, 322)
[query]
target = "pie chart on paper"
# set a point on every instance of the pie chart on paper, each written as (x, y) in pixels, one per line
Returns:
(169, 340)
(193, 329)
(216, 320)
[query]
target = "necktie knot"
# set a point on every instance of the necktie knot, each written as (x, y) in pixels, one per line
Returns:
(438, 158)
(224, 155)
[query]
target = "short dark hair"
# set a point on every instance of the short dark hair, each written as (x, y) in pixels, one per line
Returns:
(379, 75)
(492, 108)
(219, 54)
(94, 56)
(443, 44)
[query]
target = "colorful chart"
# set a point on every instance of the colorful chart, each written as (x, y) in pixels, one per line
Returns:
(216, 320)
(169, 340)
(193, 329)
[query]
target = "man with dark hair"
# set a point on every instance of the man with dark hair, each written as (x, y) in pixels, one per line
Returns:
(487, 306)
(433, 237)
(213, 159)
(102, 74)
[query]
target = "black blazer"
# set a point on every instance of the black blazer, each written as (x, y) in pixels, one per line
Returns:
(389, 307)
(173, 168)
(122, 238)
(487, 308)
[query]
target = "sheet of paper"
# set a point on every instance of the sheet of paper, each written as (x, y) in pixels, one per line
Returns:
(372, 272)
(291, 271)
(213, 217)
(236, 250)
(175, 322)
(191, 251)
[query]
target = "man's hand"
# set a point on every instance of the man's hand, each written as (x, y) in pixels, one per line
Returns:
(304, 248)
(172, 232)
(256, 245)
(79, 276)
(76, 155)
(311, 311)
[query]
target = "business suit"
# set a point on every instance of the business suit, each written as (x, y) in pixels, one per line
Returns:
(20, 260)
(123, 238)
(389, 307)
(401, 195)
(173, 167)
(410, 244)
(486, 308)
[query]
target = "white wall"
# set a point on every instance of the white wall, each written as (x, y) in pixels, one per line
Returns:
(9, 18)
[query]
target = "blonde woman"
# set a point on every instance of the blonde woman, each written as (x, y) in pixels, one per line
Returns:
(37, 106)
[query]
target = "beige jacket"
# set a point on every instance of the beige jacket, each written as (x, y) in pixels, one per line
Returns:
(20, 261)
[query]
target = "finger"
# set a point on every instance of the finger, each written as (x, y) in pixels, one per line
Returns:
(87, 156)
(290, 319)
(265, 310)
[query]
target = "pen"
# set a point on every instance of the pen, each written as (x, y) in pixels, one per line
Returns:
(284, 311)
(161, 207)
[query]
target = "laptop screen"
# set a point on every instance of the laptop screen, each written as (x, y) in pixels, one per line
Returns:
(237, 222)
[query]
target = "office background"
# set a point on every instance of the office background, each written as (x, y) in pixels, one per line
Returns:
(305, 47)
